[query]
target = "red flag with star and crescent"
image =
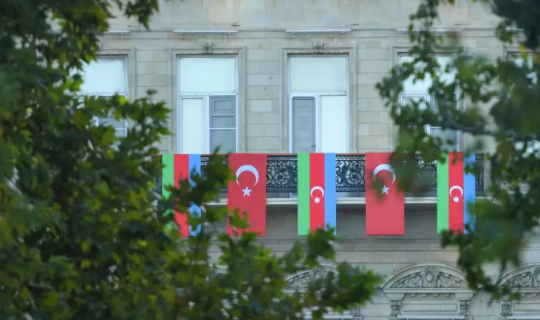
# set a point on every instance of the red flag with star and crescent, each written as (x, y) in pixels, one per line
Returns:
(385, 206)
(247, 191)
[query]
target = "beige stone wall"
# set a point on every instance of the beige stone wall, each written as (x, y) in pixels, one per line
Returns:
(262, 46)
(263, 105)
(374, 42)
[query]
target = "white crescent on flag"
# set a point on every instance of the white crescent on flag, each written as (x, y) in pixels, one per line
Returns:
(384, 167)
(454, 188)
(249, 168)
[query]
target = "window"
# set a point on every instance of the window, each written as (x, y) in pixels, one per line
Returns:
(207, 104)
(419, 91)
(531, 146)
(318, 100)
(104, 78)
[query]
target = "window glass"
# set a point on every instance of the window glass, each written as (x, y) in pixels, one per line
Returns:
(318, 74)
(303, 113)
(207, 75)
(193, 124)
(333, 130)
(104, 76)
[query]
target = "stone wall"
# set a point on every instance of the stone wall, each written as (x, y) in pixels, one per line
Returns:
(262, 45)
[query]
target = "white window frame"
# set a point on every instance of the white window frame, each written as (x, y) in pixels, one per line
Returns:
(430, 99)
(97, 120)
(534, 146)
(206, 103)
(317, 96)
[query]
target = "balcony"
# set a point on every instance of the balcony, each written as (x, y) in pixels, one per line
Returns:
(282, 173)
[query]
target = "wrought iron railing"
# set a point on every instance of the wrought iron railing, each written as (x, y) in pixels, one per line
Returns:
(282, 173)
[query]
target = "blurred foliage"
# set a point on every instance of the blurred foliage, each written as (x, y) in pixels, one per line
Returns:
(81, 236)
(501, 114)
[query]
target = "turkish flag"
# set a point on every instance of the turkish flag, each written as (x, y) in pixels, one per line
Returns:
(455, 191)
(248, 191)
(385, 206)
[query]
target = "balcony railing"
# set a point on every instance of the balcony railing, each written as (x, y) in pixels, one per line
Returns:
(282, 173)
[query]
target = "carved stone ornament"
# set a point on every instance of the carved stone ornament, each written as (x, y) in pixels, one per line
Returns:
(464, 307)
(395, 306)
(303, 278)
(506, 308)
(524, 277)
(428, 280)
(429, 277)
(207, 47)
(318, 47)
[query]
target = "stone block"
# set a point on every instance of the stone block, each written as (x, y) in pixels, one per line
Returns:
(253, 118)
(375, 66)
(256, 130)
(153, 68)
(271, 118)
(371, 117)
(145, 55)
(255, 55)
(263, 79)
(371, 105)
(366, 91)
(372, 143)
(268, 67)
(262, 92)
(144, 80)
(374, 54)
(263, 55)
(363, 129)
(160, 55)
(369, 78)
(259, 105)
(262, 143)
(160, 80)
(379, 129)
(272, 130)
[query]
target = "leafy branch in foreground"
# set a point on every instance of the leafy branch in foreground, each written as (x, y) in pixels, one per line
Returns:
(80, 234)
(502, 100)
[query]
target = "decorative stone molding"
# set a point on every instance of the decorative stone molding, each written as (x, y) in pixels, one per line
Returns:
(318, 47)
(424, 282)
(429, 277)
(526, 280)
(395, 306)
(302, 278)
(525, 277)
(207, 48)
(464, 308)
(506, 308)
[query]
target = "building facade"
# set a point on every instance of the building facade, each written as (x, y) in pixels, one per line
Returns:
(284, 77)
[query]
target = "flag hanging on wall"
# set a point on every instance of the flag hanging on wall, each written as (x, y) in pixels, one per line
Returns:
(176, 167)
(385, 207)
(455, 191)
(248, 191)
(316, 191)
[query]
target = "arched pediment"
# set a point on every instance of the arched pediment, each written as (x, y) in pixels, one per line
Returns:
(429, 276)
(423, 283)
(523, 277)
(301, 279)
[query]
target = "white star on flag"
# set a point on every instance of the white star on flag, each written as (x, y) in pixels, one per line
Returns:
(247, 192)
(385, 189)
(456, 199)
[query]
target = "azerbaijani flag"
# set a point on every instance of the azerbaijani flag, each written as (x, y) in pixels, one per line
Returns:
(177, 167)
(316, 191)
(455, 191)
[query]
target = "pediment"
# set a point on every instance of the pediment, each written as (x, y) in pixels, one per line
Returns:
(303, 278)
(524, 277)
(426, 277)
